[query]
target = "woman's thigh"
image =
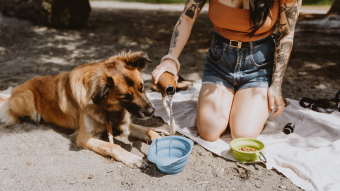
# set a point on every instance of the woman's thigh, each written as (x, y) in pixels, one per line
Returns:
(249, 112)
(213, 110)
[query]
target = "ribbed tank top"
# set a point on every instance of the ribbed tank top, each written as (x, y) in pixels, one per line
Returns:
(235, 24)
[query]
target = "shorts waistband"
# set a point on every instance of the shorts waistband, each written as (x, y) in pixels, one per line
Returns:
(239, 44)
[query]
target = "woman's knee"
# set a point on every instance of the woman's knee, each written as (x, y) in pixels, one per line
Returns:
(244, 134)
(211, 130)
(213, 111)
(208, 134)
(210, 137)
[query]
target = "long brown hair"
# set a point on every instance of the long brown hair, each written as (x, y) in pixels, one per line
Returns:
(259, 11)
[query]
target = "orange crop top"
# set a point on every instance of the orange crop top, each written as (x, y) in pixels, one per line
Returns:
(234, 23)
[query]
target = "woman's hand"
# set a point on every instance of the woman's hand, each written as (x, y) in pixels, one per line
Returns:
(167, 65)
(276, 102)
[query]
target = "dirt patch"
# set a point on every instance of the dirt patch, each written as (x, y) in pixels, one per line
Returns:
(39, 158)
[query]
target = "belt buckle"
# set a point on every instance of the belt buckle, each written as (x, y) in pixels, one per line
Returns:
(235, 44)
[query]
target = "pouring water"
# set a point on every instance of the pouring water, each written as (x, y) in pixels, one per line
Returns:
(168, 104)
(167, 83)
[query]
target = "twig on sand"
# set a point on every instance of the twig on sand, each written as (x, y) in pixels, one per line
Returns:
(243, 171)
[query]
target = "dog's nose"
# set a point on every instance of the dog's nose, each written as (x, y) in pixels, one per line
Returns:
(149, 111)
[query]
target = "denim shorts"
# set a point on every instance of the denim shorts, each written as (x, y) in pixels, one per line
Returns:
(239, 68)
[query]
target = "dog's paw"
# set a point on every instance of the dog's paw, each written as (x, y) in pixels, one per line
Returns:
(131, 160)
(135, 161)
(153, 135)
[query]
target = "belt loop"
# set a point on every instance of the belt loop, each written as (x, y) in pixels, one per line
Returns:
(213, 39)
(225, 44)
(251, 48)
(275, 39)
(224, 47)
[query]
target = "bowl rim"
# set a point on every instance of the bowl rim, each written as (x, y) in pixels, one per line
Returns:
(233, 147)
(153, 147)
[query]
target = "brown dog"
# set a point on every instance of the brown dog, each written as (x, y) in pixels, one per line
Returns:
(87, 99)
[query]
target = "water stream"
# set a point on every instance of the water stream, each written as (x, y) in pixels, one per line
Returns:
(168, 104)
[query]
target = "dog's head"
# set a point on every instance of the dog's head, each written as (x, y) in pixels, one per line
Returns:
(118, 84)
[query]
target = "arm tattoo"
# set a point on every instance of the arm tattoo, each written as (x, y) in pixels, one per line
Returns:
(190, 12)
(200, 3)
(285, 34)
(192, 8)
(174, 36)
(195, 5)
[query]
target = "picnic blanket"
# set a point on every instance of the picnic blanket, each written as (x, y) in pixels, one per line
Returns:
(309, 157)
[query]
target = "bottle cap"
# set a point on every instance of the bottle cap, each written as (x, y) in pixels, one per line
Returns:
(289, 128)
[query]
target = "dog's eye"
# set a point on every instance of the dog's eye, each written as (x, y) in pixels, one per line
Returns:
(126, 97)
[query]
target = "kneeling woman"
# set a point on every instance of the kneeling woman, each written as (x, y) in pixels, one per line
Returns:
(244, 69)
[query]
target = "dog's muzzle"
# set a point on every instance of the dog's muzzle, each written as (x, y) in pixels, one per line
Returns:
(148, 112)
(139, 112)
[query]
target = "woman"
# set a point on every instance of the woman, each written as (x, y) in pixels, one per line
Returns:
(247, 59)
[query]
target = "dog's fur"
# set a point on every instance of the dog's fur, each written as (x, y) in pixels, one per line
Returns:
(87, 99)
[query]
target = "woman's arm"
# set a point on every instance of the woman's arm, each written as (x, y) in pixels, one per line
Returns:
(289, 13)
(180, 36)
(184, 25)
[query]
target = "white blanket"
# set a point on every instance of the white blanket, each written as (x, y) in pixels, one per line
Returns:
(309, 157)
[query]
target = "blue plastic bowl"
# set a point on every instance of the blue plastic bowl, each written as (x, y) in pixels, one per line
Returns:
(170, 154)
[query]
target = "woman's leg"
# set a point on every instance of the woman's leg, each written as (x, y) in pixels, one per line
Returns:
(249, 112)
(213, 110)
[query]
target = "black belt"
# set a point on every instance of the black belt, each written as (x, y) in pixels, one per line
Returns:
(239, 44)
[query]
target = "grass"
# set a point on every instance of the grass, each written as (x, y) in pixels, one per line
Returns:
(317, 2)
(151, 1)
(305, 2)
(158, 1)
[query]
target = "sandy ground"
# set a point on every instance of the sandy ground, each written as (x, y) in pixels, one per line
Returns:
(38, 157)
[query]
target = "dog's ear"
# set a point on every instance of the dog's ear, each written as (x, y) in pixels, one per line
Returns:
(102, 91)
(135, 59)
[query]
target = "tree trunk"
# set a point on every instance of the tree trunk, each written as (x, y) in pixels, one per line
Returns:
(56, 13)
(335, 9)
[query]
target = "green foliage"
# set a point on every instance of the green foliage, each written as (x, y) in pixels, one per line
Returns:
(155, 1)
(305, 2)
(317, 2)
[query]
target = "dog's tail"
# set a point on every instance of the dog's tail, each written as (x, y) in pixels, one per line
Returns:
(5, 116)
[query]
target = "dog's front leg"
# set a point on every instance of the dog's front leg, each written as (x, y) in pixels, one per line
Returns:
(143, 133)
(86, 140)
(136, 131)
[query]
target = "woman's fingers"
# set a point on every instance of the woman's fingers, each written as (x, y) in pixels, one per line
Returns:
(271, 102)
(276, 103)
(166, 66)
(280, 106)
(156, 73)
